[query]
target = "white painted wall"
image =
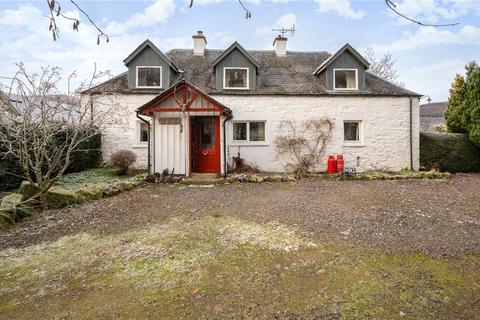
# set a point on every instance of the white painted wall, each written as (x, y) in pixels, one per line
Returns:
(386, 128)
(122, 131)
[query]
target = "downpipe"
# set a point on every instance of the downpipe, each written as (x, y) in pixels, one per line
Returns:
(228, 116)
(411, 133)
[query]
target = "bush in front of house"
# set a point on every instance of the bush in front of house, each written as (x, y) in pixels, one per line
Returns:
(123, 159)
(87, 155)
(452, 152)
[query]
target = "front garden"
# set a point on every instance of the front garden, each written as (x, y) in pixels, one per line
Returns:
(309, 249)
(73, 188)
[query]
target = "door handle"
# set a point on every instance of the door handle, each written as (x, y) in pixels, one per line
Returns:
(205, 153)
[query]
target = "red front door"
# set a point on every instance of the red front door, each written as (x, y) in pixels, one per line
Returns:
(205, 149)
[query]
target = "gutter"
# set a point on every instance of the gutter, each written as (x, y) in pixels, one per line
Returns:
(148, 146)
(411, 133)
(228, 116)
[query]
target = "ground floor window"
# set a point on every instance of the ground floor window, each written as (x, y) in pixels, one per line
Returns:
(351, 131)
(142, 132)
(249, 131)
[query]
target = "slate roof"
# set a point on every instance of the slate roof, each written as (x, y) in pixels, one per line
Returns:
(288, 75)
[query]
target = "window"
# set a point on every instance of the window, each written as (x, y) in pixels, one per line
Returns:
(149, 77)
(253, 131)
(143, 132)
(235, 78)
(257, 131)
(351, 131)
(240, 131)
(345, 79)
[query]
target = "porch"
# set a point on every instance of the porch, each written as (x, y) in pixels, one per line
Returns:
(187, 129)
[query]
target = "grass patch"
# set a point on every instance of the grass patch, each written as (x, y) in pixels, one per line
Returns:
(95, 177)
(218, 267)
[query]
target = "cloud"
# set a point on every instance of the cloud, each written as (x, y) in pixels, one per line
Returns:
(342, 8)
(25, 38)
(158, 12)
(430, 36)
(224, 38)
(433, 79)
(432, 11)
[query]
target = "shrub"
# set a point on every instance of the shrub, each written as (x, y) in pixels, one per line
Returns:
(452, 152)
(87, 155)
(123, 159)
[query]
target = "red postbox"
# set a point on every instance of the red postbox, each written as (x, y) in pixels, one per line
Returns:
(340, 163)
(331, 165)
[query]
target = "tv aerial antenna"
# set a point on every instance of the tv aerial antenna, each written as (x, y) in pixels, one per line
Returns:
(283, 31)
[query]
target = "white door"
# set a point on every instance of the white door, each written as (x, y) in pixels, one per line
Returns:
(169, 146)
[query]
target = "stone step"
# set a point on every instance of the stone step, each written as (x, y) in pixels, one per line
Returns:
(203, 176)
(204, 179)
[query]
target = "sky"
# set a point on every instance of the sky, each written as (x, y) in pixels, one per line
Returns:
(427, 58)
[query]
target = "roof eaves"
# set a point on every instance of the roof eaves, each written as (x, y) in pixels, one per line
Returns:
(154, 48)
(333, 57)
(103, 83)
(236, 45)
(167, 91)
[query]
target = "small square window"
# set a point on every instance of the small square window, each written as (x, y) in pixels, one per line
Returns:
(235, 78)
(149, 77)
(351, 130)
(257, 131)
(345, 79)
(143, 132)
(240, 131)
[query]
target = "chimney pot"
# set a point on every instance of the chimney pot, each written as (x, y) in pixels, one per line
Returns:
(199, 43)
(280, 46)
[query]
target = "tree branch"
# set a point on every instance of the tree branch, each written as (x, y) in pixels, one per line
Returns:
(56, 11)
(391, 5)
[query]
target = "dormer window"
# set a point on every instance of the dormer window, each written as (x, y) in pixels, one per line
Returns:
(149, 77)
(235, 78)
(345, 79)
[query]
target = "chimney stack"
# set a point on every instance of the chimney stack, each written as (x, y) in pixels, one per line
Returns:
(199, 43)
(280, 46)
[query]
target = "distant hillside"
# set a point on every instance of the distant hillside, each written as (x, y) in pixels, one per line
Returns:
(431, 115)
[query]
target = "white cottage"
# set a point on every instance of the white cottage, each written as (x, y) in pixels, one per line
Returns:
(192, 110)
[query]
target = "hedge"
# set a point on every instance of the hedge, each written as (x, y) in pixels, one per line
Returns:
(87, 155)
(453, 152)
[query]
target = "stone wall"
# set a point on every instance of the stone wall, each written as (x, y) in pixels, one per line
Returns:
(386, 129)
(122, 130)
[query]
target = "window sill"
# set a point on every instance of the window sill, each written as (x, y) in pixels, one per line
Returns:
(248, 144)
(353, 144)
(140, 145)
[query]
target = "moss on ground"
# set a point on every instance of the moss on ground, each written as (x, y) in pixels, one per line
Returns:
(217, 267)
(95, 177)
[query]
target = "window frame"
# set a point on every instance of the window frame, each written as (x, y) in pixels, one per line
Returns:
(138, 134)
(248, 142)
(354, 143)
(345, 69)
(149, 87)
(236, 88)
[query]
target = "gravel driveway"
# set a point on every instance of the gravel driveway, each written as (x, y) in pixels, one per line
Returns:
(439, 218)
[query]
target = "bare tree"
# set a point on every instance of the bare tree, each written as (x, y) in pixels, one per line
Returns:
(303, 144)
(383, 66)
(43, 127)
